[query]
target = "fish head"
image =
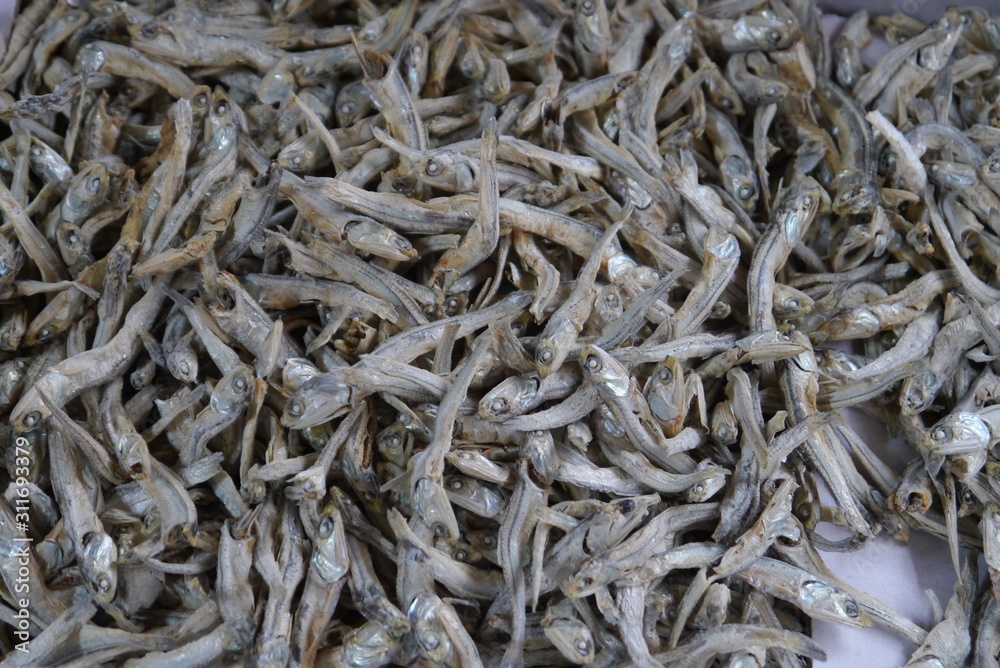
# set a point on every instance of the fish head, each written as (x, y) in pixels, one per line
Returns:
(958, 433)
(824, 601)
(605, 372)
(233, 391)
(99, 567)
(508, 399)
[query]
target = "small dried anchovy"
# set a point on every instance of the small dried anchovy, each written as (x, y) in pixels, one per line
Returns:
(489, 334)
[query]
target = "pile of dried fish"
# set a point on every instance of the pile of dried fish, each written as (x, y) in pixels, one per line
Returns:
(489, 333)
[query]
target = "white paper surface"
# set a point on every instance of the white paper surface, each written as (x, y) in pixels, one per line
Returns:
(8, 8)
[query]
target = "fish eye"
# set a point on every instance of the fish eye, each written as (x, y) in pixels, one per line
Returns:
(699, 488)
(457, 484)
(588, 7)
(611, 299)
(727, 104)
(583, 647)
(432, 168)
(794, 303)
(665, 375)
(184, 368)
(995, 166)
(773, 36)
(745, 192)
(394, 440)
(461, 555)
(71, 237)
(169, 16)
(851, 609)
(148, 31)
(771, 91)
(240, 384)
(94, 184)
(968, 497)
(36, 151)
(430, 640)
(347, 108)
(941, 434)
(593, 363)
(497, 406)
(222, 108)
(538, 433)
(452, 305)
(45, 333)
(545, 355)
(295, 408)
(440, 530)
(297, 160)
(200, 100)
(489, 541)
(32, 418)
(103, 583)
(325, 528)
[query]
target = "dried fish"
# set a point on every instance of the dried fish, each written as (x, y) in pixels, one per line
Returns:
(313, 313)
